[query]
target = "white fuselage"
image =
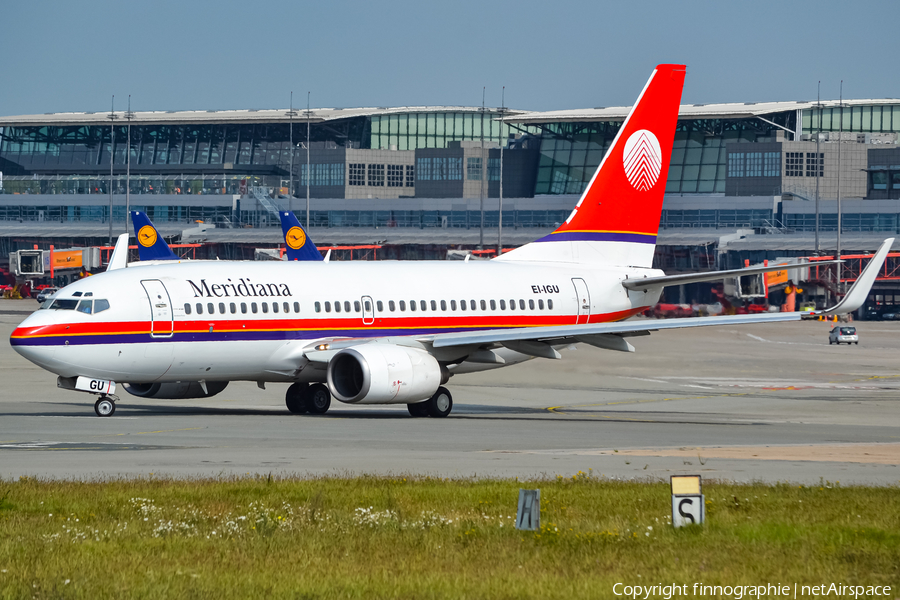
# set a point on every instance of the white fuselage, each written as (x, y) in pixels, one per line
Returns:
(224, 321)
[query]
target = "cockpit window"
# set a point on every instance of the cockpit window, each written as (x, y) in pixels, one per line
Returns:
(86, 294)
(64, 304)
(100, 305)
(85, 307)
(76, 294)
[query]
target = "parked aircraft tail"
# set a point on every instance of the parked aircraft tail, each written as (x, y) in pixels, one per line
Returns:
(151, 245)
(298, 244)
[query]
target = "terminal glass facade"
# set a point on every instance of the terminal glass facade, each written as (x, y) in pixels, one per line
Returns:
(862, 119)
(410, 131)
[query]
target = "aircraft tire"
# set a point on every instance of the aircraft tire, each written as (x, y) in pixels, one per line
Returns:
(318, 399)
(104, 407)
(295, 398)
(419, 409)
(440, 405)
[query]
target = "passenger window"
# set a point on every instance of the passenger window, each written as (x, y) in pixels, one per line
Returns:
(540, 304)
(522, 304)
(274, 307)
(531, 304)
(512, 305)
(433, 305)
(187, 308)
(368, 305)
(423, 305)
(391, 305)
(286, 306)
(483, 305)
(337, 307)
(412, 305)
(443, 305)
(265, 307)
(221, 308)
(462, 305)
(84, 307)
(233, 308)
(356, 305)
(380, 306)
(100, 305)
(243, 308)
(503, 305)
(210, 308)
(253, 307)
(296, 307)
(199, 309)
(327, 306)
(453, 305)
(346, 306)
(472, 304)
(318, 307)
(549, 304)
(403, 305)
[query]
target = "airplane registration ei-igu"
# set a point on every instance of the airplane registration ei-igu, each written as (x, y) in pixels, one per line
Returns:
(388, 332)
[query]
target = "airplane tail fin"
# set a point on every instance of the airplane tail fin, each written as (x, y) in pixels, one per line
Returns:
(617, 218)
(151, 245)
(298, 244)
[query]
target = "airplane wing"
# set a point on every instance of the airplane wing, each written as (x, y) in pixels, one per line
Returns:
(648, 283)
(298, 245)
(536, 340)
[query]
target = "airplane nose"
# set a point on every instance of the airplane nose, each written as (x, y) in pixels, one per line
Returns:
(24, 343)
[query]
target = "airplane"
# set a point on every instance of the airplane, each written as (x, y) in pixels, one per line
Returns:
(152, 247)
(389, 332)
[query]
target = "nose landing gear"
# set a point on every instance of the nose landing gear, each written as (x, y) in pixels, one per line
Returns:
(105, 406)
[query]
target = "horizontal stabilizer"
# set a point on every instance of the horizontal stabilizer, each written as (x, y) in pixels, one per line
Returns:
(648, 283)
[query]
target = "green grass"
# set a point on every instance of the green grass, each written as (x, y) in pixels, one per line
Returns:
(377, 537)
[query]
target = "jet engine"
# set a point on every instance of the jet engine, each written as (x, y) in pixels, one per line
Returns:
(384, 374)
(176, 390)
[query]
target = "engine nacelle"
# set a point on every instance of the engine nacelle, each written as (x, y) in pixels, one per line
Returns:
(175, 391)
(384, 374)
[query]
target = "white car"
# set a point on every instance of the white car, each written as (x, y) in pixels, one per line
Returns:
(840, 335)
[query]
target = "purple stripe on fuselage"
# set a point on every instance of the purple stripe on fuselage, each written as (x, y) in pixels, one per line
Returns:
(599, 236)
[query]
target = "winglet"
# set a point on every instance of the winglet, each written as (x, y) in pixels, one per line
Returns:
(119, 257)
(151, 245)
(297, 242)
(859, 291)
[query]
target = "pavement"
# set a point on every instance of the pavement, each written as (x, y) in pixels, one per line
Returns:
(767, 402)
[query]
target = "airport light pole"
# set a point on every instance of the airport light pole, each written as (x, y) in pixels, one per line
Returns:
(481, 177)
(307, 160)
(818, 137)
(290, 115)
(112, 151)
(502, 144)
(129, 116)
(839, 222)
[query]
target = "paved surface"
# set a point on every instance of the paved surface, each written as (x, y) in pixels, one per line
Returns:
(769, 402)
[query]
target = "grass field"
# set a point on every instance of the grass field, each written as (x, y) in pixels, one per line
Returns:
(375, 537)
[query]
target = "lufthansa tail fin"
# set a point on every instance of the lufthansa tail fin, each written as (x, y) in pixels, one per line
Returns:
(617, 218)
(298, 244)
(151, 245)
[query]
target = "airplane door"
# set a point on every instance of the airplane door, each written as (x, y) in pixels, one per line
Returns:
(368, 310)
(160, 308)
(583, 297)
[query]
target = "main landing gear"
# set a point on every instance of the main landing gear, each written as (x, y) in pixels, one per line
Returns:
(438, 406)
(105, 406)
(302, 398)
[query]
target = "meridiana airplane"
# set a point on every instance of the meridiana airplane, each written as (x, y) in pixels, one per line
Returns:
(388, 332)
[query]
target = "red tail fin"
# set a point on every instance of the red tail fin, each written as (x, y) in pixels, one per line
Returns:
(619, 211)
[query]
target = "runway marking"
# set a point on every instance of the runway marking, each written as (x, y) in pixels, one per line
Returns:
(563, 410)
(147, 432)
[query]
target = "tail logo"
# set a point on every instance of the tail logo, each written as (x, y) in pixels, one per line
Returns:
(146, 236)
(295, 238)
(642, 160)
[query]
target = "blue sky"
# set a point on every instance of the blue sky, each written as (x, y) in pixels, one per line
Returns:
(199, 55)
